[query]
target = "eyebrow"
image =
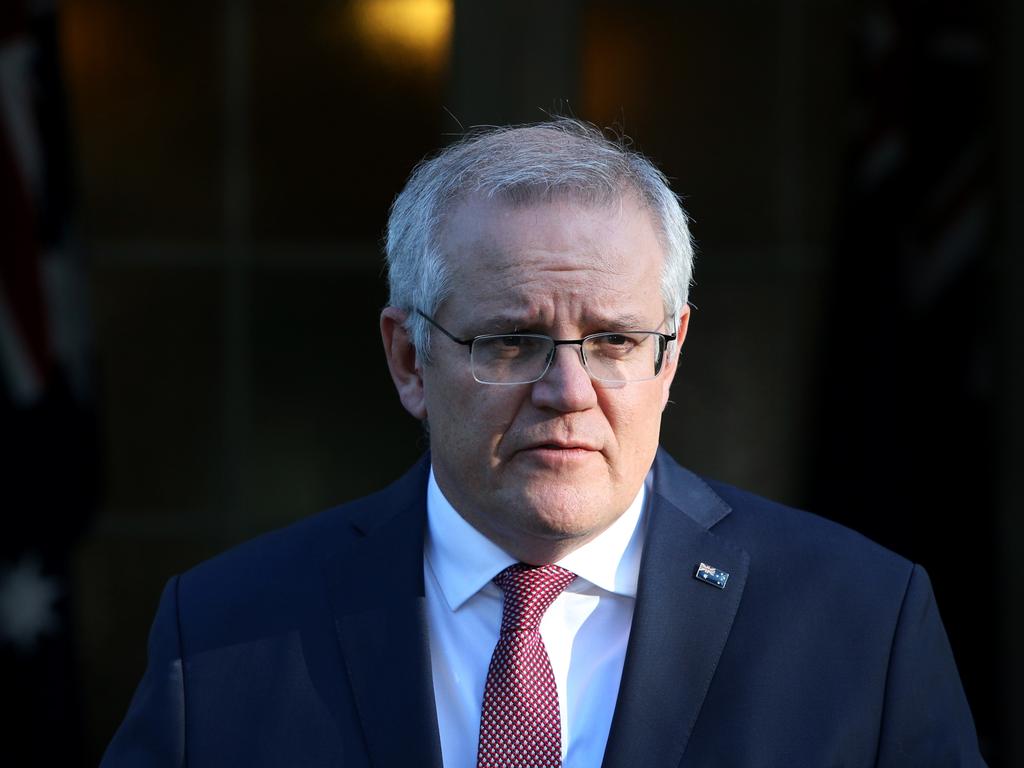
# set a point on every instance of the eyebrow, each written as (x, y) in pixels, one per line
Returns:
(626, 321)
(619, 322)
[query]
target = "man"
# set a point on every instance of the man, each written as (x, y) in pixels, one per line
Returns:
(546, 588)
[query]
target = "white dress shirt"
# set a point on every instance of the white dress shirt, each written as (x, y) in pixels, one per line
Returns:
(585, 630)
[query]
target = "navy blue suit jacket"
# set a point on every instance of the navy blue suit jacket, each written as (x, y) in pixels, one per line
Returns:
(308, 646)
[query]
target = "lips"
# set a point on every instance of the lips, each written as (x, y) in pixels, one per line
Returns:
(563, 446)
(553, 439)
(567, 447)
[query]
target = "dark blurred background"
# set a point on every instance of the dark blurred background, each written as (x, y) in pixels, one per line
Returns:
(192, 197)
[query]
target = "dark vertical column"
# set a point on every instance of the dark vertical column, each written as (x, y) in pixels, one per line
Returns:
(237, 246)
(908, 449)
(1009, 416)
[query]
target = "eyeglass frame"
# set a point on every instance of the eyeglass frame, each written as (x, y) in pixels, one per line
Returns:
(666, 338)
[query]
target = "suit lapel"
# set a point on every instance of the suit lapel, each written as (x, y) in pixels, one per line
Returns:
(680, 624)
(376, 589)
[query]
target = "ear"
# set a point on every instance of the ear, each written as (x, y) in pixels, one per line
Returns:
(672, 361)
(403, 361)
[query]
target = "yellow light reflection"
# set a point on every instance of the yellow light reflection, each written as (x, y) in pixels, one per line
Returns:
(393, 29)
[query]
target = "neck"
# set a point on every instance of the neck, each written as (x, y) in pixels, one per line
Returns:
(536, 550)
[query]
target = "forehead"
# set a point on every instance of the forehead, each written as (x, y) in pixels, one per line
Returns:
(554, 257)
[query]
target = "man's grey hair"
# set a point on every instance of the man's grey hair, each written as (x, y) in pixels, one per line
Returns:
(522, 165)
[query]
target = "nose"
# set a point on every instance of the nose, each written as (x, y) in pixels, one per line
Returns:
(566, 386)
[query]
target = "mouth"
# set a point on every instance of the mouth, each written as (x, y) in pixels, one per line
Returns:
(558, 453)
(561, 445)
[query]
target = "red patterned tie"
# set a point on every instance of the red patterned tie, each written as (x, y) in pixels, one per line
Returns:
(520, 726)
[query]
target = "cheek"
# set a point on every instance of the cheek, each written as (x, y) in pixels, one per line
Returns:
(470, 418)
(636, 423)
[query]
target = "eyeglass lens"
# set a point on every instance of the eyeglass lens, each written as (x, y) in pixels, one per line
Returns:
(524, 358)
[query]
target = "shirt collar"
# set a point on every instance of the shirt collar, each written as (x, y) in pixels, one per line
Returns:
(464, 560)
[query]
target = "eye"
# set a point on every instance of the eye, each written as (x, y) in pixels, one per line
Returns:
(509, 347)
(617, 341)
(614, 346)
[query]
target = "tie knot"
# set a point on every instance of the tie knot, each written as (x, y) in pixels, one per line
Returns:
(529, 591)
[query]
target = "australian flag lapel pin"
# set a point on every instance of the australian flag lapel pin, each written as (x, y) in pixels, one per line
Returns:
(711, 575)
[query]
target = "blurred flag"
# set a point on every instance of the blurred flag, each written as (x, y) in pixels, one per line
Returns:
(48, 446)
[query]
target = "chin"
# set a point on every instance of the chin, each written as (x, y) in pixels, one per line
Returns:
(563, 512)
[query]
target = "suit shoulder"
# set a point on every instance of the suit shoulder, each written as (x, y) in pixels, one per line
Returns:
(277, 569)
(810, 572)
(787, 535)
(307, 538)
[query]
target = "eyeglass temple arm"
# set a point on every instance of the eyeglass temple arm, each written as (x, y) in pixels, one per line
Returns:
(433, 322)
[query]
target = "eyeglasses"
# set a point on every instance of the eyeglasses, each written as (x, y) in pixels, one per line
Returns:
(523, 358)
